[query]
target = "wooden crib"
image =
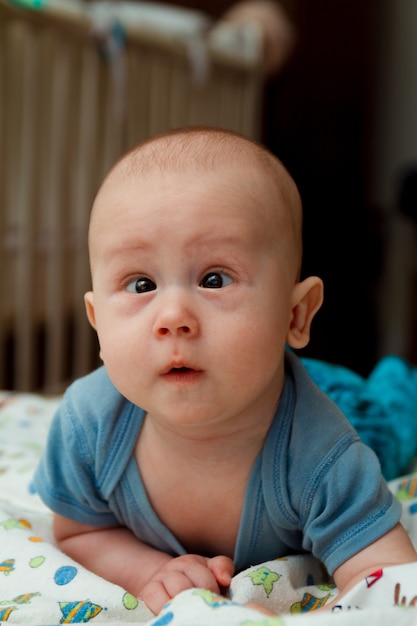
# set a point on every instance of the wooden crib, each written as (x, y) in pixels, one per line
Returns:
(76, 90)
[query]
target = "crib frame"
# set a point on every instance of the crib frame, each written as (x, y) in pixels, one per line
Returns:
(64, 119)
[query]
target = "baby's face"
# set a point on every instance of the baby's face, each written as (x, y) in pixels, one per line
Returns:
(192, 286)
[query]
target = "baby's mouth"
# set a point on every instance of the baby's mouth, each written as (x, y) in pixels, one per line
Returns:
(182, 373)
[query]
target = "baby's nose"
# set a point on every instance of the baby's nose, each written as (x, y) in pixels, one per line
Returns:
(175, 318)
(169, 329)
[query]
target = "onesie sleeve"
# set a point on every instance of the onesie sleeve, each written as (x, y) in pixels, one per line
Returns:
(69, 478)
(346, 505)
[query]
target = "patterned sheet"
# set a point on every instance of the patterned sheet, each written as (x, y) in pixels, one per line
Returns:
(40, 585)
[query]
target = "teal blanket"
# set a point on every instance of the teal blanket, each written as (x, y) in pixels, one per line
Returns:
(382, 407)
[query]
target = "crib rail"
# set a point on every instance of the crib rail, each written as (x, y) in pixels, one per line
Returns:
(67, 111)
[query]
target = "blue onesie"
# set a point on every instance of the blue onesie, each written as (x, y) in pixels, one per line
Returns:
(314, 487)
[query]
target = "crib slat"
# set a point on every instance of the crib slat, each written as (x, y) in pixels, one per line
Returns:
(26, 217)
(84, 186)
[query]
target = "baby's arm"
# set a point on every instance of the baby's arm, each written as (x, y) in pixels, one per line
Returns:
(154, 576)
(393, 548)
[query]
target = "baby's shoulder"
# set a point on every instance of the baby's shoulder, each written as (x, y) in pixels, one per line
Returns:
(93, 406)
(314, 415)
(94, 416)
(94, 393)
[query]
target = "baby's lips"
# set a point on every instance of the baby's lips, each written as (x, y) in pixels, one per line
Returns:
(180, 366)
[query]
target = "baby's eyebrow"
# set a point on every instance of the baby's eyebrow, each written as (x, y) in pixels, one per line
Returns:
(227, 235)
(124, 246)
(216, 239)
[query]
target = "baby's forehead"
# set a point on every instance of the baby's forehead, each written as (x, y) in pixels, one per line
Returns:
(228, 160)
(227, 172)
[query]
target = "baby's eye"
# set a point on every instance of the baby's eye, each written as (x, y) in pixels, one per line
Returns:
(141, 285)
(215, 280)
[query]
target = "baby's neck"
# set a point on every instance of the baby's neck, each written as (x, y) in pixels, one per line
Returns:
(194, 482)
(199, 447)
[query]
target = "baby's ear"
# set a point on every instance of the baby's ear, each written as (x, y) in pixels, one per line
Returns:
(89, 308)
(307, 298)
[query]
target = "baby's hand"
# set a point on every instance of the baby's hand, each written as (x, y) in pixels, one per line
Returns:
(186, 572)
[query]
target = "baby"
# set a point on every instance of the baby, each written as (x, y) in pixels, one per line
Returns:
(202, 446)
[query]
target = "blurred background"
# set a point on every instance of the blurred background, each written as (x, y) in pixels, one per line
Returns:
(330, 88)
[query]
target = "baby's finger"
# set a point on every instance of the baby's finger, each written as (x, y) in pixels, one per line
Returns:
(223, 569)
(158, 592)
(202, 577)
(155, 596)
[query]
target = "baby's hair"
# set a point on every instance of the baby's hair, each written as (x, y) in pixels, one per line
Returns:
(196, 147)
